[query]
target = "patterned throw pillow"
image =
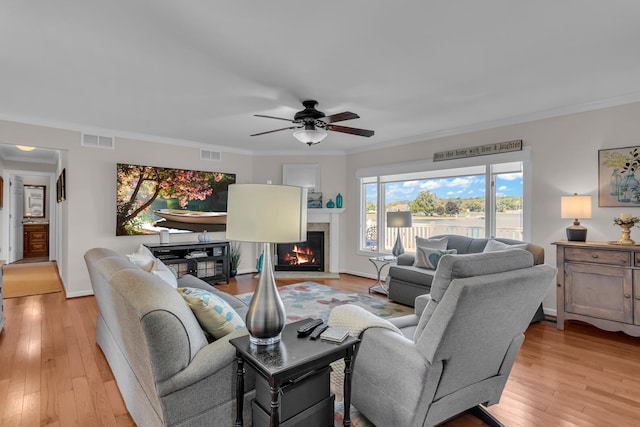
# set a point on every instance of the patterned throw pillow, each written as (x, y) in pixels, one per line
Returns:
(431, 244)
(214, 314)
(429, 258)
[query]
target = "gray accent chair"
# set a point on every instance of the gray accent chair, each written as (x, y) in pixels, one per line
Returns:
(406, 282)
(457, 351)
(166, 370)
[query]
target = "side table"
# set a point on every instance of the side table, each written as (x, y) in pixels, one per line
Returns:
(292, 361)
(379, 262)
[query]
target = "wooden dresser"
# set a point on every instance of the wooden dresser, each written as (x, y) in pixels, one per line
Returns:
(599, 283)
(36, 240)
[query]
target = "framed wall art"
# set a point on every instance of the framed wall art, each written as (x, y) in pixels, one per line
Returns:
(61, 187)
(302, 175)
(314, 200)
(618, 184)
(150, 198)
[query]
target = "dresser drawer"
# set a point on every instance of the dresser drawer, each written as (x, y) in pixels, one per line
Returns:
(598, 256)
(39, 235)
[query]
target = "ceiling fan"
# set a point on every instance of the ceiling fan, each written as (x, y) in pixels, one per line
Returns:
(313, 123)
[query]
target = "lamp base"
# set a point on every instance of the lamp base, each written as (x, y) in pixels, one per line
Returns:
(576, 233)
(266, 316)
(265, 341)
(398, 248)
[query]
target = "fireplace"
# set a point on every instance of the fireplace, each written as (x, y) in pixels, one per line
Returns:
(302, 256)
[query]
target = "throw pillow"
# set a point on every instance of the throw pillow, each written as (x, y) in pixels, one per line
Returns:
(421, 242)
(143, 258)
(495, 245)
(429, 258)
(214, 314)
(161, 270)
(440, 243)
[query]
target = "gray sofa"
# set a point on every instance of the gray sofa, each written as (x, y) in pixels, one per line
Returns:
(406, 282)
(166, 370)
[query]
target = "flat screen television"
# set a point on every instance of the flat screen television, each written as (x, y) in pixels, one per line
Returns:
(150, 199)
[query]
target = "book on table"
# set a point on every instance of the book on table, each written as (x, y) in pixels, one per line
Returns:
(334, 334)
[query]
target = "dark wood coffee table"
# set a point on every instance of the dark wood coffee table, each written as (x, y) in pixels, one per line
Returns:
(291, 359)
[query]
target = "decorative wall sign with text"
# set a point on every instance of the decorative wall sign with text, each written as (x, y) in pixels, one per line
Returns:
(480, 150)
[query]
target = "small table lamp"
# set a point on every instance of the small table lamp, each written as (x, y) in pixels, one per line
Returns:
(398, 220)
(266, 214)
(576, 207)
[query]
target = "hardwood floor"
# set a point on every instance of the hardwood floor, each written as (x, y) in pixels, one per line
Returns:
(53, 373)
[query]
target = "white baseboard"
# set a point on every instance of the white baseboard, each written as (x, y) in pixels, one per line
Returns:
(79, 294)
(360, 274)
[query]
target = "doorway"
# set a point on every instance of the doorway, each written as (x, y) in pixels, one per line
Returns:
(36, 170)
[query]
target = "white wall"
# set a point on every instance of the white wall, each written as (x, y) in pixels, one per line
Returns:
(87, 218)
(564, 154)
(564, 158)
(332, 171)
(333, 179)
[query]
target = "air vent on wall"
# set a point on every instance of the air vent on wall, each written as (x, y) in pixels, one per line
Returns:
(97, 141)
(214, 156)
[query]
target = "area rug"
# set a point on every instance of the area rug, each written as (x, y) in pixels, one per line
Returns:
(19, 280)
(310, 299)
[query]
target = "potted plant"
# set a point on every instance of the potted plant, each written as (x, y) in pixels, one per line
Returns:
(234, 258)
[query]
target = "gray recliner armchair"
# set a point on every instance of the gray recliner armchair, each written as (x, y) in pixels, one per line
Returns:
(457, 351)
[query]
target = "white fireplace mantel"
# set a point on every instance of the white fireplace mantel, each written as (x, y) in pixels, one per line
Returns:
(332, 217)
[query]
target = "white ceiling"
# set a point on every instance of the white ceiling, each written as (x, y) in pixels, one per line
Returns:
(197, 71)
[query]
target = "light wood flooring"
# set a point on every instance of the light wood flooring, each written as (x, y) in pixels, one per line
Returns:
(53, 373)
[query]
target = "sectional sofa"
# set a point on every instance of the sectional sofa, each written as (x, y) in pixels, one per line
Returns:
(168, 372)
(406, 281)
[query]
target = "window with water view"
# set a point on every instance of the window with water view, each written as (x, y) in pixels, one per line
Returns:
(480, 201)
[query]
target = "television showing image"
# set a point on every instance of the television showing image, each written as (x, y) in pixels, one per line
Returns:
(150, 199)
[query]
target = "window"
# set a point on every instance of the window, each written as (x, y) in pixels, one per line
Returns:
(370, 202)
(485, 200)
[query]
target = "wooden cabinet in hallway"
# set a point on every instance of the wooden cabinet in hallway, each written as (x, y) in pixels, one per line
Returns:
(36, 240)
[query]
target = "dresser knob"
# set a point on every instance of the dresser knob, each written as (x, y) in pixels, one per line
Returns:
(594, 256)
(627, 296)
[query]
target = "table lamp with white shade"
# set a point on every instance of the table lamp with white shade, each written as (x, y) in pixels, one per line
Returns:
(398, 220)
(266, 214)
(576, 207)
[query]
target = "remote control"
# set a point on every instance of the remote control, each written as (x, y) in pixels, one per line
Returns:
(306, 329)
(317, 331)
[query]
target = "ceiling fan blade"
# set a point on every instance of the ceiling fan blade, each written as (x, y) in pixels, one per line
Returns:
(276, 130)
(340, 117)
(272, 117)
(352, 131)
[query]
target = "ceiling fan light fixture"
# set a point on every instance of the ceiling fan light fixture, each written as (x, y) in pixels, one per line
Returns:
(310, 136)
(25, 147)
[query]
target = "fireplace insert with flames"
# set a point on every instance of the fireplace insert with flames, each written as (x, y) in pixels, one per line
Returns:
(302, 256)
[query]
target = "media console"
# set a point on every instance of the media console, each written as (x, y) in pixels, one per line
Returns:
(208, 261)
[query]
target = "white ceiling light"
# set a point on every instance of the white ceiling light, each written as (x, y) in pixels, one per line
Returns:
(25, 148)
(310, 136)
